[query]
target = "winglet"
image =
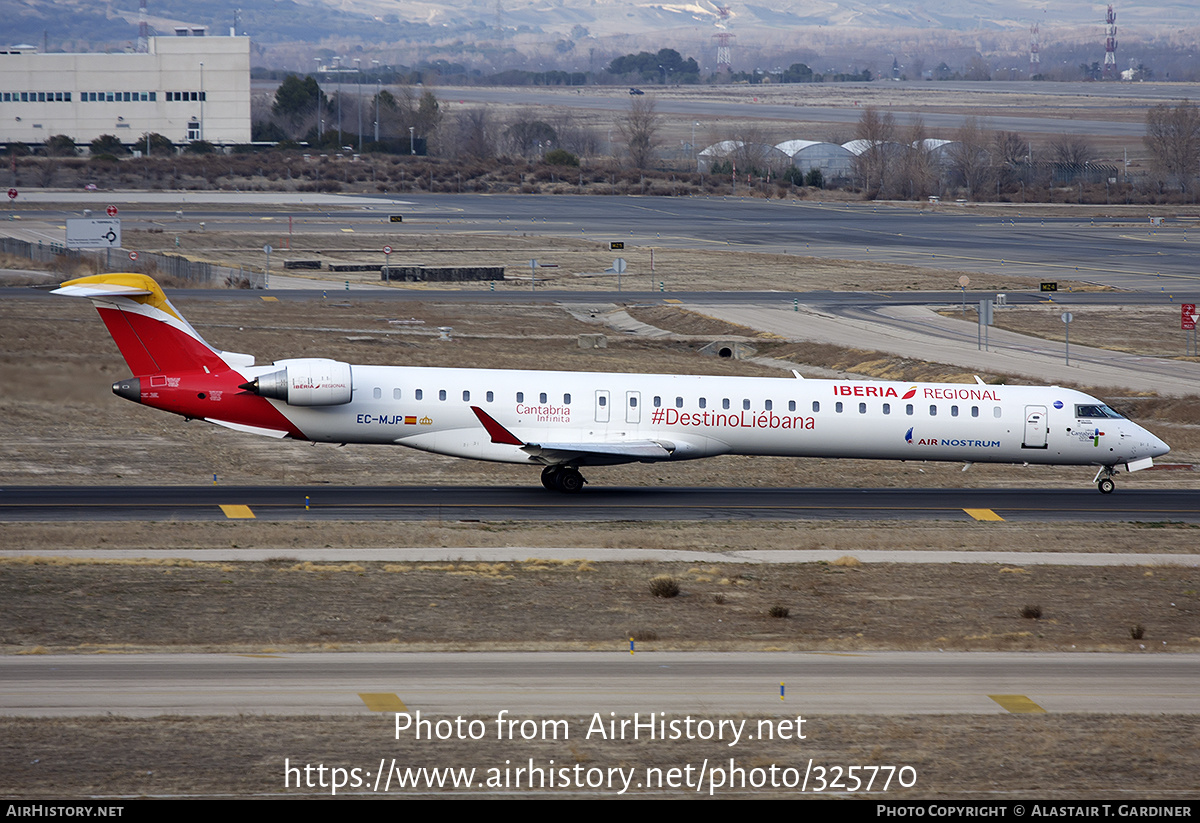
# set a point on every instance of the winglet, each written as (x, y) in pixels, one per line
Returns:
(498, 433)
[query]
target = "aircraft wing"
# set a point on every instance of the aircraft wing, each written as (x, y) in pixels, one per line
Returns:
(605, 451)
(634, 449)
(242, 427)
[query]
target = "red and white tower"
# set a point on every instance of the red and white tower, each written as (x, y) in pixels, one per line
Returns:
(723, 38)
(1110, 45)
(143, 44)
(1035, 58)
(724, 58)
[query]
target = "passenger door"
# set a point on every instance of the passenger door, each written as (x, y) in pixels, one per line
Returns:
(1036, 430)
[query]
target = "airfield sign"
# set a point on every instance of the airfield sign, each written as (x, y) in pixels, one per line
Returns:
(87, 233)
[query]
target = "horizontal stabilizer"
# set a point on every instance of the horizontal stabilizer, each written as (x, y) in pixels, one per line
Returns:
(100, 290)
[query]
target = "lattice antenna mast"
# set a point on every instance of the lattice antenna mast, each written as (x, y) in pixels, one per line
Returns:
(143, 44)
(1035, 57)
(724, 38)
(1110, 45)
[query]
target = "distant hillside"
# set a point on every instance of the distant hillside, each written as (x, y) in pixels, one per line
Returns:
(84, 24)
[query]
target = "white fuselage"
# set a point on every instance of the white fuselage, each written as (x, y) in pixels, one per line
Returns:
(701, 416)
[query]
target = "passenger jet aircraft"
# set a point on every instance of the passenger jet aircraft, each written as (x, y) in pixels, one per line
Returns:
(561, 421)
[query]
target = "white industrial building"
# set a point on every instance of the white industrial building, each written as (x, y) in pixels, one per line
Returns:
(185, 88)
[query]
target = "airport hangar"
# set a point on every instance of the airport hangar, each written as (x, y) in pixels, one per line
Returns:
(185, 88)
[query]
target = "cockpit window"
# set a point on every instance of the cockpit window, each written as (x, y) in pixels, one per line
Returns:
(1094, 411)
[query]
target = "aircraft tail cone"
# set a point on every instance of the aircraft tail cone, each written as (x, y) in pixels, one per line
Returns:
(129, 388)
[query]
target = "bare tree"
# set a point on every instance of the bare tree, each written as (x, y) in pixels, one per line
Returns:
(1010, 153)
(1009, 148)
(529, 136)
(574, 136)
(474, 134)
(970, 161)
(639, 129)
(918, 174)
(1173, 138)
(875, 163)
(1072, 149)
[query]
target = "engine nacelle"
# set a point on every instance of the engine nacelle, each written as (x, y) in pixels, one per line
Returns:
(313, 381)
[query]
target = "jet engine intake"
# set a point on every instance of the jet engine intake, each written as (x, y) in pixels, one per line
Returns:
(308, 382)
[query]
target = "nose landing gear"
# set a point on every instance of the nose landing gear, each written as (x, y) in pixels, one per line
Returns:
(1104, 479)
(562, 478)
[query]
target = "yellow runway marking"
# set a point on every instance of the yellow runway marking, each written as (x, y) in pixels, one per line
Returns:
(351, 231)
(670, 300)
(383, 702)
(270, 299)
(1017, 704)
(983, 514)
(236, 512)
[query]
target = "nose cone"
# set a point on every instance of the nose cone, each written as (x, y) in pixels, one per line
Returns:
(1157, 447)
(1144, 443)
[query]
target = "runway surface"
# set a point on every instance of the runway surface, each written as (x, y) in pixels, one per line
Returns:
(327, 503)
(1089, 244)
(569, 684)
(756, 104)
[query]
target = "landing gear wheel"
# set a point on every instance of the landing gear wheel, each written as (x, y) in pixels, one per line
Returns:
(549, 475)
(1106, 486)
(569, 480)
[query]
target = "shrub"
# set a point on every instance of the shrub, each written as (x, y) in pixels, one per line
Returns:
(664, 586)
(1031, 612)
(1137, 631)
(60, 145)
(561, 157)
(778, 612)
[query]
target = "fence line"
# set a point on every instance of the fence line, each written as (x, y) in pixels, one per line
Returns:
(193, 272)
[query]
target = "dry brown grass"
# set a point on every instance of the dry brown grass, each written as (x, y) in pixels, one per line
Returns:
(309, 606)
(1080, 757)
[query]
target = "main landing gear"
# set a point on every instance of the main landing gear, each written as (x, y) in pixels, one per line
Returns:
(563, 479)
(1104, 480)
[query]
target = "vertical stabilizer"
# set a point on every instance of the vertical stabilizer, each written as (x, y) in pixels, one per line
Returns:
(152, 336)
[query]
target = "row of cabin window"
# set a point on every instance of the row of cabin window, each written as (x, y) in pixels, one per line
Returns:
(768, 405)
